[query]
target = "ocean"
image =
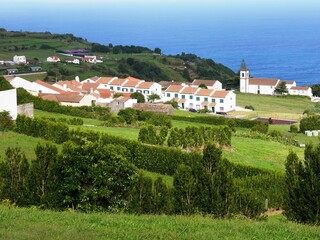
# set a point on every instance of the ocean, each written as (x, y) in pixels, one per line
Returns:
(284, 46)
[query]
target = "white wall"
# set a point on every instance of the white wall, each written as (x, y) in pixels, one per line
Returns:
(8, 102)
(42, 89)
(19, 82)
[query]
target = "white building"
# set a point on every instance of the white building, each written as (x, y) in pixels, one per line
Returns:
(45, 88)
(53, 59)
(268, 86)
(20, 59)
(8, 102)
(198, 98)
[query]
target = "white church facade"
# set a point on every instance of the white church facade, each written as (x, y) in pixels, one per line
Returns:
(267, 86)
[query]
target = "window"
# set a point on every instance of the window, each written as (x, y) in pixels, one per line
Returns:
(213, 100)
(198, 98)
(118, 88)
(206, 99)
(131, 90)
(146, 91)
(242, 74)
(191, 97)
(111, 88)
(183, 96)
(168, 94)
(176, 95)
(221, 101)
(124, 89)
(106, 85)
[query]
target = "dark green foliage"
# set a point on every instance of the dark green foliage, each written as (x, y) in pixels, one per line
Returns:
(141, 196)
(310, 123)
(153, 97)
(46, 129)
(6, 122)
(42, 176)
(261, 127)
(4, 84)
(294, 128)
(173, 104)
(139, 96)
(202, 85)
(13, 176)
(160, 120)
(157, 51)
(242, 123)
(161, 197)
(249, 107)
(149, 134)
(281, 88)
(316, 90)
(193, 137)
(302, 202)
(129, 115)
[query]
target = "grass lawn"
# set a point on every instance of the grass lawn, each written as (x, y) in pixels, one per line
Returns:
(28, 223)
(87, 121)
(260, 153)
(26, 143)
(283, 107)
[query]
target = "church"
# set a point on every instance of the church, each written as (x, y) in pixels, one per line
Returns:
(268, 86)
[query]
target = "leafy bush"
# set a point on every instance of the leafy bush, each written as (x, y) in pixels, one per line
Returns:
(293, 128)
(6, 122)
(310, 123)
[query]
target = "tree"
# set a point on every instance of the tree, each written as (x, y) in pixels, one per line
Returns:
(4, 84)
(13, 176)
(6, 122)
(153, 97)
(303, 186)
(281, 88)
(139, 96)
(129, 115)
(202, 85)
(186, 74)
(316, 90)
(157, 50)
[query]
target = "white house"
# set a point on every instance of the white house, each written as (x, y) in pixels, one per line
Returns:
(20, 59)
(72, 60)
(301, 91)
(53, 59)
(8, 102)
(198, 98)
(149, 88)
(74, 100)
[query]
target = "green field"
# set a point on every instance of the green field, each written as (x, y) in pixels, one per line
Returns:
(24, 223)
(282, 107)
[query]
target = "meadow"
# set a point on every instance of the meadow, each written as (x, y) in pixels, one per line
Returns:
(30, 223)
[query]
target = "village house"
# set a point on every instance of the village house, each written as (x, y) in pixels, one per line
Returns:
(73, 100)
(53, 59)
(18, 82)
(11, 71)
(199, 98)
(20, 59)
(72, 60)
(43, 87)
(35, 69)
(268, 86)
(210, 84)
(120, 103)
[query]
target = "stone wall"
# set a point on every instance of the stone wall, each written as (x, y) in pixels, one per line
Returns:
(26, 109)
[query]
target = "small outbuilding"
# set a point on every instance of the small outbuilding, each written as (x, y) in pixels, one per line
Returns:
(11, 71)
(35, 69)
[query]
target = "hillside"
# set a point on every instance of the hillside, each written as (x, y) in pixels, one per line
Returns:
(136, 61)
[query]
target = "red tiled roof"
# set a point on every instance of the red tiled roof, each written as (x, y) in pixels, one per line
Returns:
(179, 100)
(174, 88)
(131, 83)
(71, 98)
(303, 88)
(117, 82)
(189, 90)
(204, 92)
(103, 80)
(145, 85)
(205, 82)
(73, 85)
(134, 79)
(54, 57)
(88, 86)
(104, 93)
(47, 85)
(263, 81)
(220, 93)
(166, 84)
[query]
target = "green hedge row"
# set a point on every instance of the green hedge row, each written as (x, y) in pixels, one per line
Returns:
(211, 120)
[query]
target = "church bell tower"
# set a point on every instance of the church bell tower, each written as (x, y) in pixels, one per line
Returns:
(244, 77)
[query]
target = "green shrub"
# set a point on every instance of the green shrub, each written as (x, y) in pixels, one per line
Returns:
(293, 128)
(310, 123)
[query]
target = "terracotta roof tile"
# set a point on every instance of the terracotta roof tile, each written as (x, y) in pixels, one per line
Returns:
(117, 81)
(104, 93)
(263, 81)
(303, 88)
(204, 92)
(189, 90)
(104, 80)
(145, 85)
(220, 93)
(174, 88)
(209, 104)
(131, 83)
(202, 81)
(87, 86)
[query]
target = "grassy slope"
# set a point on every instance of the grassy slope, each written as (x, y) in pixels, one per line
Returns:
(22, 223)
(290, 107)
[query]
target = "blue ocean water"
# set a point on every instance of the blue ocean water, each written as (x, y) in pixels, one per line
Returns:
(275, 44)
